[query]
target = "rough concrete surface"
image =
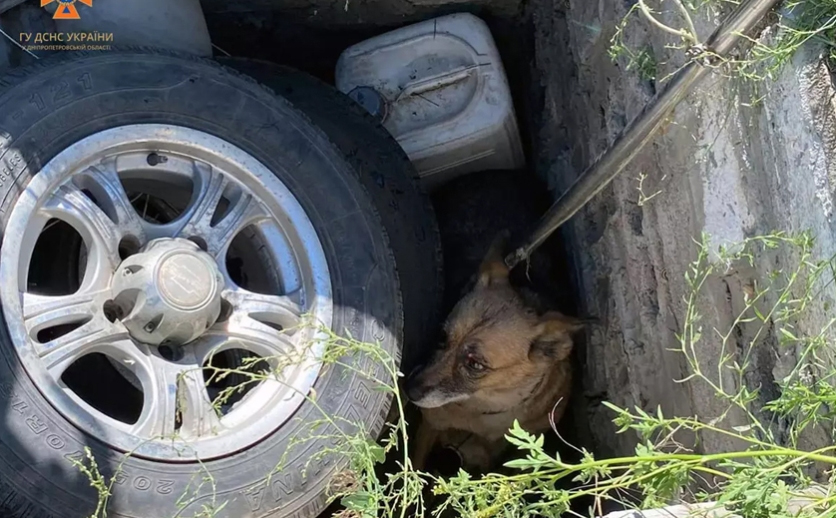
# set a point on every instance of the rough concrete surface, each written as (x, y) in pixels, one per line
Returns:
(353, 13)
(726, 165)
(5, 5)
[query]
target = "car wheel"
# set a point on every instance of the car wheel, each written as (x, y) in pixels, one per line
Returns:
(164, 217)
(387, 174)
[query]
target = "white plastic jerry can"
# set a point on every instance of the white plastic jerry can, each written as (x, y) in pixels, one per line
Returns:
(440, 89)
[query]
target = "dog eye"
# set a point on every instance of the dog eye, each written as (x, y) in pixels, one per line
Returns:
(473, 364)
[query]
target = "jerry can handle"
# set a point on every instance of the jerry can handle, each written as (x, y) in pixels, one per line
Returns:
(436, 81)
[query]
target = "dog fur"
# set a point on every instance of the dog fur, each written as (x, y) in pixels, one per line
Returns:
(504, 359)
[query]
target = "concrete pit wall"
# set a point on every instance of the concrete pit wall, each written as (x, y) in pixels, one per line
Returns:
(733, 162)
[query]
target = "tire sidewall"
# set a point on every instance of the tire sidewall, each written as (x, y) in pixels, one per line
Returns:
(386, 172)
(44, 110)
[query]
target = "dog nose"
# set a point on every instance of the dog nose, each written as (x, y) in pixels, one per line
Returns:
(414, 388)
(414, 392)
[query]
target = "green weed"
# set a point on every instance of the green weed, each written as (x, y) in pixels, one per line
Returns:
(798, 22)
(769, 476)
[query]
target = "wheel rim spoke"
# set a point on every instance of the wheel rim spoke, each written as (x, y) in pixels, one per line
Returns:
(199, 416)
(103, 180)
(262, 324)
(173, 389)
(99, 233)
(243, 210)
(42, 312)
(59, 354)
(159, 409)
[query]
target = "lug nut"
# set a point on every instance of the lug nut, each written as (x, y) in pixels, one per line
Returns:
(154, 159)
(149, 327)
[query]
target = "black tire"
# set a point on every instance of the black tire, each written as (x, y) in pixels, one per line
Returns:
(391, 180)
(105, 90)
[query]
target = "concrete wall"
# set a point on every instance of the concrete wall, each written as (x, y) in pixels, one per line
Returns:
(723, 168)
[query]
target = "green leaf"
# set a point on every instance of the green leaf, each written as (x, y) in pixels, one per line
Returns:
(788, 335)
(516, 442)
(616, 409)
(377, 452)
(519, 464)
(359, 501)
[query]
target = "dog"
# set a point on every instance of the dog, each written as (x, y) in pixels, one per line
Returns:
(505, 358)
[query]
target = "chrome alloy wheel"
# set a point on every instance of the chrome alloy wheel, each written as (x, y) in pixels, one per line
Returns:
(158, 298)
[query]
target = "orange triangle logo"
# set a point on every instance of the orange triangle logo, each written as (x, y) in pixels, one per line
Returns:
(66, 8)
(66, 12)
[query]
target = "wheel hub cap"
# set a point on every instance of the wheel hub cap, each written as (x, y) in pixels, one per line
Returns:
(168, 294)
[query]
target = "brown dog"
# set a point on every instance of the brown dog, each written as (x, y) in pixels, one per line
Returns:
(502, 361)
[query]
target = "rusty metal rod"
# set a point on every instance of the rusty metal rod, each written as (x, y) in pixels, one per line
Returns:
(640, 130)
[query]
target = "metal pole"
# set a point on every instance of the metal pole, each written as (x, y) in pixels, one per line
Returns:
(639, 132)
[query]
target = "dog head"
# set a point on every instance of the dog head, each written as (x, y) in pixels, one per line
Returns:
(496, 347)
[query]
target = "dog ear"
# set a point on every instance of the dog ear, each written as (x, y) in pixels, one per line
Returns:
(554, 338)
(493, 269)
